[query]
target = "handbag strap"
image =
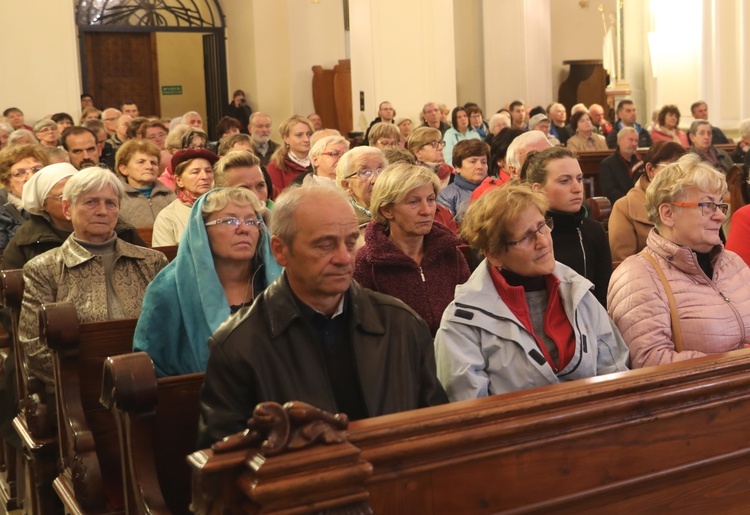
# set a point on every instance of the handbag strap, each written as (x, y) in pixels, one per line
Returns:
(676, 331)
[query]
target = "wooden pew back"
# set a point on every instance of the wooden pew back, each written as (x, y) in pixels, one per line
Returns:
(91, 477)
(169, 251)
(157, 422)
(661, 439)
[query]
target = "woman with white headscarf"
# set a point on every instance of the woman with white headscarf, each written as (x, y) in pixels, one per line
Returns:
(47, 226)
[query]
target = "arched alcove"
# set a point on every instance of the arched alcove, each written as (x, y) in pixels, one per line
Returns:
(118, 48)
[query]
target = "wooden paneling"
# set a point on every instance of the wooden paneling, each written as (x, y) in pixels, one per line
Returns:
(123, 66)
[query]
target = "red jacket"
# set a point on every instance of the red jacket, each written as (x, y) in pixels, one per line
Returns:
(427, 288)
(282, 176)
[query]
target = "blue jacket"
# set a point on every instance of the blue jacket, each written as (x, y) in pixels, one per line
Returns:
(185, 303)
(456, 196)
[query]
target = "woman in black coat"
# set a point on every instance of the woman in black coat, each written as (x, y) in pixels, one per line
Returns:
(578, 241)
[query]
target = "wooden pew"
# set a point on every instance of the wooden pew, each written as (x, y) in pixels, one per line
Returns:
(157, 422)
(590, 163)
(11, 469)
(91, 477)
(146, 234)
(599, 209)
(669, 439)
(36, 465)
(170, 252)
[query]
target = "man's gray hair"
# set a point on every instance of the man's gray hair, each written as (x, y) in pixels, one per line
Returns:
(92, 179)
(255, 115)
(696, 124)
(745, 128)
(20, 134)
(625, 130)
(518, 144)
(286, 204)
(192, 113)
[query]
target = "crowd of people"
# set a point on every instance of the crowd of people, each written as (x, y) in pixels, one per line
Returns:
(438, 260)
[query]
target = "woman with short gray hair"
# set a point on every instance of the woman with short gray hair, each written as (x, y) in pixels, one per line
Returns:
(356, 173)
(103, 276)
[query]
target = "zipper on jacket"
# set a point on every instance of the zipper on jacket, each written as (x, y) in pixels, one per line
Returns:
(736, 314)
(421, 273)
(583, 252)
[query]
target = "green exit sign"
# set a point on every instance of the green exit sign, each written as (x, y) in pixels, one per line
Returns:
(171, 90)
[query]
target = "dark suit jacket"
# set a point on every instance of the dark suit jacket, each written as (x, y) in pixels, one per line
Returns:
(614, 176)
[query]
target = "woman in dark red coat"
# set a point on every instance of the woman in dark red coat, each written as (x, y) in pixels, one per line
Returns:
(407, 254)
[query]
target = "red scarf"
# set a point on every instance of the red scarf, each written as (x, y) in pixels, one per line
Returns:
(185, 197)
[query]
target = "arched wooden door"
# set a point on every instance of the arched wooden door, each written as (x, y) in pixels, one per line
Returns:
(118, 56)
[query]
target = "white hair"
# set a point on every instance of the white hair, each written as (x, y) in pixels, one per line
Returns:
(518, 144)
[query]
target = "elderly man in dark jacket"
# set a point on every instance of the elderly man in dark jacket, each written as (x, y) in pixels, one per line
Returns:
(315, 335)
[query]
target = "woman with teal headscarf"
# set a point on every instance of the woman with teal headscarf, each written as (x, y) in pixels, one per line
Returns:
(223, 262)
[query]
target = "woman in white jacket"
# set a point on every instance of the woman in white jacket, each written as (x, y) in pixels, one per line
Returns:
(522, 320)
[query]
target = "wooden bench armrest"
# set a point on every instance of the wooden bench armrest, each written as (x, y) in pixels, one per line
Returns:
(60, 331)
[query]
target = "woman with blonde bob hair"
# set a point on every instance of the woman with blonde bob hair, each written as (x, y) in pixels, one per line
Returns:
(407, 255)
(522, 319)
(293, 157)
(222, 264)
(684, 295)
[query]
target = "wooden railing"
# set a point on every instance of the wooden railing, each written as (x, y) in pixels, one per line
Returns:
(674, 438)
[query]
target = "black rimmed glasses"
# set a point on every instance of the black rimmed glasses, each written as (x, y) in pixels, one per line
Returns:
(530, 237)
(437, 144)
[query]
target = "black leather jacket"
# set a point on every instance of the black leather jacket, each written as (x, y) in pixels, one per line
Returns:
(266, 353)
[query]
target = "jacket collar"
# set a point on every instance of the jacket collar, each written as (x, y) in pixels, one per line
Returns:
(464, 184)
(74, 254)
(479, 290)
(682, 258)
(282, 309)
(380, 250)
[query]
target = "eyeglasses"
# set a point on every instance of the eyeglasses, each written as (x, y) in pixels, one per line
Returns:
(232, 221)
(710, 206)
(388, 142)
(437, 144)
(333, 154)
(194, 147)
(530, 237)
(20, 173)
(157, 136)
(45, 130)
(366, 174)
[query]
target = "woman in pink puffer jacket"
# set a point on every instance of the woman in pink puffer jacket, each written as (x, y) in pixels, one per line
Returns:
(711, 285)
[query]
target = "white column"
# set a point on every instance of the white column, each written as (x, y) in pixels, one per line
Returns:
(272, 47)
(402, 52)
(517, 52)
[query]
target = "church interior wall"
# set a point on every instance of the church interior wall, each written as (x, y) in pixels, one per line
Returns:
(409, 52)
(180, 57)
(39, 58)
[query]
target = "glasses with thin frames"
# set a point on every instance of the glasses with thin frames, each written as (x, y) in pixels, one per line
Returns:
(530, 238)
(437, 144)
(20, 173)
(235, 222)
(366, 174)
(334, 154)
(711, 207)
